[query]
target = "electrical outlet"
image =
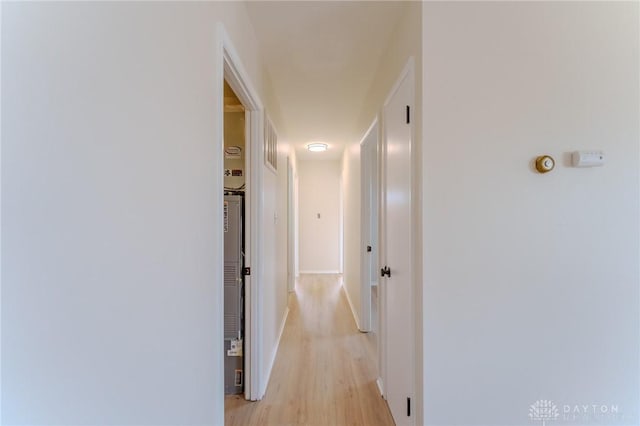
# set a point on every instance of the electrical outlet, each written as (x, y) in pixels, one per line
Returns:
(236, 348)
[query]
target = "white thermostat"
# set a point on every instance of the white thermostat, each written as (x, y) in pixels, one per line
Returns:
(587, 158)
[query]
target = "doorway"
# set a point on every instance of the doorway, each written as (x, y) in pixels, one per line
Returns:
(232, 73)
(292, 235)
(234, 241)
(369, 231)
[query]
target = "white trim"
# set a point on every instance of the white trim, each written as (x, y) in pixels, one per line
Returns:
(380, 386)
(409, 67)
(218, 237)
(291, 268)
(353, 311)
(373, 124)
(341, 226)
(320, 272)
(263, 390)
(366, 259)
(382, 302)
(253, 205)
(1, 6)
(237, 77)
(296, 225)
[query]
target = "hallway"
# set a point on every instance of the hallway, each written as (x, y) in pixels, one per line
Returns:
(324, 373)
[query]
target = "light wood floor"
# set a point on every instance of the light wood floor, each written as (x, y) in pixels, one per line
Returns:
(324, 374)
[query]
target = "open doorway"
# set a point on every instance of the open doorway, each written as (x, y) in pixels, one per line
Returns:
(369, 230)
(241, 95)
(292, 226)
(370, 243)
(234, 242)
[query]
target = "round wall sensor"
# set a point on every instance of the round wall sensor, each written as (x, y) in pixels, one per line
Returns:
(545, 163)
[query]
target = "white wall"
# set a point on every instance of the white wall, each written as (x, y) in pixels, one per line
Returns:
(319, 238)
(273, 284)
(531, 281)
(108, 285)
(352, 220)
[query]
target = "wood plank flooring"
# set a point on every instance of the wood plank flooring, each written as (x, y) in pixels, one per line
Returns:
(324, 373)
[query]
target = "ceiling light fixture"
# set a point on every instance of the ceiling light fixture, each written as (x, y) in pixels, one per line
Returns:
(317, 147)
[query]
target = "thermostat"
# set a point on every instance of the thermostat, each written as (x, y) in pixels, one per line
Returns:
(587, 158)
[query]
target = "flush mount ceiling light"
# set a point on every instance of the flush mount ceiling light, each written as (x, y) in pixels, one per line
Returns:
(317, 147)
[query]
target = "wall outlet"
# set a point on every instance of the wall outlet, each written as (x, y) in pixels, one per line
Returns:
(238, 378)
(236, 348)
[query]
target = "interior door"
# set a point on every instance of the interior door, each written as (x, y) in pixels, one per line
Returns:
(397, 250)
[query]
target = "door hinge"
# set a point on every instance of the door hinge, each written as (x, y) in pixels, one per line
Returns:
(246, 271)
(408, 407)
(408, 114)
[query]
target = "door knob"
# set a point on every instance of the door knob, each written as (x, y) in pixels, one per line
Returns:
(385, 271)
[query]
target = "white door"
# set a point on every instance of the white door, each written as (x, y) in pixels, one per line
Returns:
(397, 250)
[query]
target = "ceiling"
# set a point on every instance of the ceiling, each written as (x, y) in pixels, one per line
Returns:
(322, 57)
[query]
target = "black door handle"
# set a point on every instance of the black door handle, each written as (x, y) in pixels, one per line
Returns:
(368, 249)
(385, 271)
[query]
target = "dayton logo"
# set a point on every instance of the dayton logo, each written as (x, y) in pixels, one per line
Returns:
(543, 410)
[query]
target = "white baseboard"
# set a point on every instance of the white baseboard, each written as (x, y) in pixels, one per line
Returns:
(320, 272)
(380, 387)
(353, 311)
(267, 376)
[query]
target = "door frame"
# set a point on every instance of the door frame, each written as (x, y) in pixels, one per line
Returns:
(291, 228)
(369, 172)
(407, 71)
(230, 68)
